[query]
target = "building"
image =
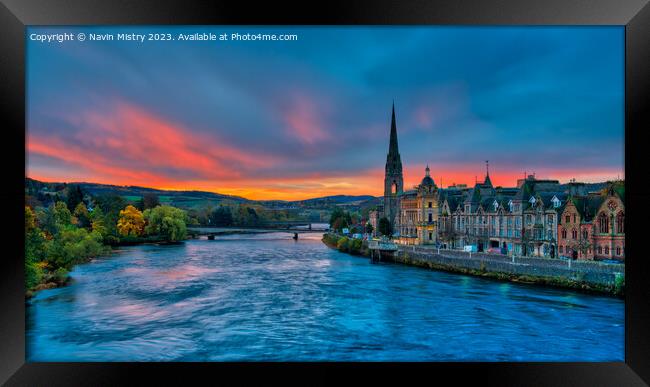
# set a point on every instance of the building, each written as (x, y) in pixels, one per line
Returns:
(538, 217)
(592, 226)
(418, 220)
(393, 179)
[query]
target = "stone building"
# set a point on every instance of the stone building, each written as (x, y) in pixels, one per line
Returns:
(418, 220)
(592, 226)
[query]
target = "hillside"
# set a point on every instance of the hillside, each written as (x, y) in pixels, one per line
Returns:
(193, 199)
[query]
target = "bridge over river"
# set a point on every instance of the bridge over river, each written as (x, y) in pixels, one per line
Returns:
(288, 226)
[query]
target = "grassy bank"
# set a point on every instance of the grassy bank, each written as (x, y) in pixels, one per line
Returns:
(357, 247)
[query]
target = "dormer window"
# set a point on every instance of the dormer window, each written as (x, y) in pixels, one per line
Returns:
(496, 205)
(532, 200)
(510, 205)
(556, 202)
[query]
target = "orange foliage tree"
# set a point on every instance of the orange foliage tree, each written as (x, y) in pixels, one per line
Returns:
(131, 222)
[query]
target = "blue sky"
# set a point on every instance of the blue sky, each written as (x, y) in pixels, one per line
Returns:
(306, 118)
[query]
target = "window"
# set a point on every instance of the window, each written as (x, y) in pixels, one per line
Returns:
(430, 218)
(564, 233)
(600, 249)
(603, 223)
(430, 204)
(574, 234)
(574, 218)
(585, 234)
(606, 250)
(618, 251)
(561, 249)
(567, 219)
(620, 223)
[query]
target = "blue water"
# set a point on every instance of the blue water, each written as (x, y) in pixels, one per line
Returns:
(269, 298)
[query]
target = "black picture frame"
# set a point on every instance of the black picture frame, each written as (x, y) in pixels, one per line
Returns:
(15, 15)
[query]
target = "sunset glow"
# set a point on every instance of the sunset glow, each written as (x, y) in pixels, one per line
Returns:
(310, 118)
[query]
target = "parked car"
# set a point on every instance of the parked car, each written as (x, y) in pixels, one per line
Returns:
(494, 250)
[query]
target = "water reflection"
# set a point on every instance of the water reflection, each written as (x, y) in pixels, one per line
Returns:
(268, 297)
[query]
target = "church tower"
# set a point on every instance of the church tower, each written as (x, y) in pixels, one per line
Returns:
(393, 179)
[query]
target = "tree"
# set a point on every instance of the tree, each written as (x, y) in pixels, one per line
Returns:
(75, 196)
(167, 222)
(111, 206)
(384, 227)
(150, 200)
(55, 217)
(131, 222)
(340, 219)
(369, 228)
(221, 217)
(33, 249)
(97, 221)
(82, 215)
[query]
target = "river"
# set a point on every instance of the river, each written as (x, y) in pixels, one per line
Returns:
(266, 297)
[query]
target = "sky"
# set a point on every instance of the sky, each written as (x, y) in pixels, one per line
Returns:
(308, 118)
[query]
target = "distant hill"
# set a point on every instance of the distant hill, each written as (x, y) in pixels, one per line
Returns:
(194, 199)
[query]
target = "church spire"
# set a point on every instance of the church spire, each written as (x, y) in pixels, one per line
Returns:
(393, 148)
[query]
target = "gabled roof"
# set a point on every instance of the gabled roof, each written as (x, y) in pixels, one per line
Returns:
(587, 206)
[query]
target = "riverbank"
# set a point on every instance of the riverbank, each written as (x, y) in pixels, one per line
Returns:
(61, 277)
(586, 276)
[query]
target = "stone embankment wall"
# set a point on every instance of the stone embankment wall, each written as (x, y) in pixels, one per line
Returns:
(584, 275)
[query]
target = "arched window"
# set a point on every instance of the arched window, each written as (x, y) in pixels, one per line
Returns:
(585, 234)
(606, 250)
(603, 223)
(618, 251)
(574, 234)
(600, 249)
(564, 233)
(620, 223)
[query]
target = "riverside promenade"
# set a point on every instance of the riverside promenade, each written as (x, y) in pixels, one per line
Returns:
(583, 275)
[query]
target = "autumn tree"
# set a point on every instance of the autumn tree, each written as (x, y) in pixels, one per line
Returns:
(131, 222)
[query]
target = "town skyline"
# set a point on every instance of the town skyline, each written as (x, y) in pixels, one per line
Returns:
(306, 119)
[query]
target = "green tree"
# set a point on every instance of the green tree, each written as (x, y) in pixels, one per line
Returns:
(55, 217)
(111, 206)
(33, 249)
(369, 228)
(167, 222)
(340, 219)
(71, 246)
(97, 221)
(75, 196)
(384, 227)
(221, 217)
